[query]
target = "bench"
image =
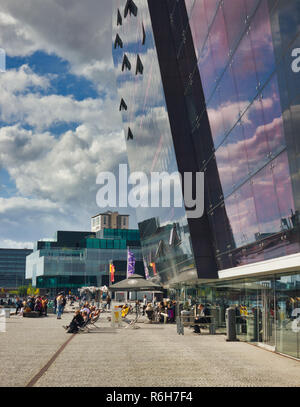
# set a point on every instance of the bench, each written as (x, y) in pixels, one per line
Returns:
(184, 321)
(31, 314)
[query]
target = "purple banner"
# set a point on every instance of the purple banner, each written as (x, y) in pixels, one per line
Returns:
(130, 263)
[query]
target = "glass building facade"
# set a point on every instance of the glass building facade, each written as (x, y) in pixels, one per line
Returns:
(56, 266)
(213, 86)
(12, 267)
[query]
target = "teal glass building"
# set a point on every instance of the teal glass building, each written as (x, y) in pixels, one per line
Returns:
(76, 259)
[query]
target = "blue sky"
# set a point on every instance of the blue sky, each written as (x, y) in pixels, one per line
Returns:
(59, 119)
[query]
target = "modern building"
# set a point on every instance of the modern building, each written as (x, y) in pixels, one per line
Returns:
(109, 220)
(77, 259)
(12, 267)
(213, 86)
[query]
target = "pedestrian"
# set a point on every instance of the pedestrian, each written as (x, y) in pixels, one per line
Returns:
(19, 304)
(64, 301)
(145, 302)
(59, 302)
(108, 301)
(54, 305)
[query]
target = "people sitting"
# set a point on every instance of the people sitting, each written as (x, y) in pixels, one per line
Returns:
(202, 318)
(149, 311)
(82, 317)
(76, 322)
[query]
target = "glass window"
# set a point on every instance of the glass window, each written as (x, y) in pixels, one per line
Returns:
(210, 9)
(266, 204)
(243, 66)
(235, 16)
(255, 137)
(237, 154)
(206, 68)
(262, 43)
(247, 212)
(224, 168)
(283, 187)
(272, 116)
(232, 211)
(189, 5)
(198, 24)
(222, 231)
(215, 116)
(213, 182)
(229, 103)
(219, 44)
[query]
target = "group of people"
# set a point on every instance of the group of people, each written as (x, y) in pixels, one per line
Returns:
(32, 303)
(159, 311)
(82, 317)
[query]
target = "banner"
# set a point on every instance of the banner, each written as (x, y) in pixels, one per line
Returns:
(112, 272)
(153, 268)
(130, 263)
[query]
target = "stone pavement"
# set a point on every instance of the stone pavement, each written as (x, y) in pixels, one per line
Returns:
(153, 355)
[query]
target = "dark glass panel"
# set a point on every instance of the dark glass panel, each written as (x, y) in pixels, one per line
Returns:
(213, 182)
(232, 210)
(207, 70)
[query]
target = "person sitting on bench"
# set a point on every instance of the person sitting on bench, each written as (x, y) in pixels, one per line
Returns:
(202, 318)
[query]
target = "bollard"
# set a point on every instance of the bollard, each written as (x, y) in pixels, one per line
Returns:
(230, 325)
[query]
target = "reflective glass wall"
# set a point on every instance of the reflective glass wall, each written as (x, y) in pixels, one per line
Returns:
(165, 234)
(244, 57)
(267, 309)
(12, 267)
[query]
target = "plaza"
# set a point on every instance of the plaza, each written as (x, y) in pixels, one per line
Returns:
(153, 355)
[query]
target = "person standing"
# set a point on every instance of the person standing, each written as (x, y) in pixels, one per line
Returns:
(145, 302)
(19, 304)
(64, 301)
(59, 302)
(108, 301)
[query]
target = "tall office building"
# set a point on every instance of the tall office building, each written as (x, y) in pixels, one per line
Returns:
(12, 267)
(213, 86)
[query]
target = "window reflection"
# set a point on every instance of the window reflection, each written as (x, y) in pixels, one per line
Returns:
(237, 154)
(266, 203)
(235, 15)
(243, 65)
(262, 44)
(255, 137)
(198, 24)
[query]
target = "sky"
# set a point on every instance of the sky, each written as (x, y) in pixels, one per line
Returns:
(59, 119)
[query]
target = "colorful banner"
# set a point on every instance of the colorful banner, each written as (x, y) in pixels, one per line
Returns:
(130, 263)
(112, 272)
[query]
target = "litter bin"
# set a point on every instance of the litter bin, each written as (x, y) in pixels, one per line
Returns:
(230, 325)
(187, 317)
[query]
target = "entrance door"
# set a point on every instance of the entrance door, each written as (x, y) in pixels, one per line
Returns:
(266, 315)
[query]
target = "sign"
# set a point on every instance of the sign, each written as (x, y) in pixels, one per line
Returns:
(116, 318)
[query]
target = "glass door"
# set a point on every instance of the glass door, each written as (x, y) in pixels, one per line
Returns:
(266, 314)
